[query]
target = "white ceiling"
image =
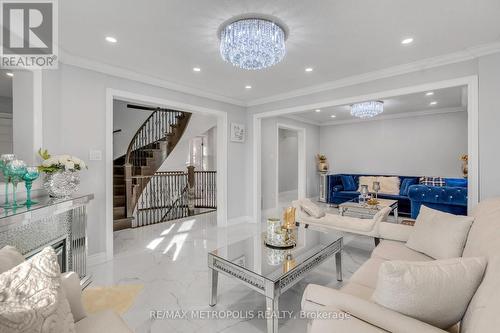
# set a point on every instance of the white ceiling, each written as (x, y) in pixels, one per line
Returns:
(448, 99)
(166, 39)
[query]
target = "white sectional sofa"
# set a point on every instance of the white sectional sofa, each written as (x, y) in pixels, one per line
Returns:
(365, 316)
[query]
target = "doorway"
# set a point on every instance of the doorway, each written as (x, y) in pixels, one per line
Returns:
(288, 169)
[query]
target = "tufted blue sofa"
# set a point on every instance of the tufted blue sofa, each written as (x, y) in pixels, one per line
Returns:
(337, 194)
(451, 198)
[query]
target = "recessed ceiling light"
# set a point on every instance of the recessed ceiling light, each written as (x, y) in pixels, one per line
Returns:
(407, 41)
(309, 69)
(196, 69)
(317, 110)
(9, 74)
(110, 39)
(430, 93)
(433, 103)
(333, 116)
(248, 87)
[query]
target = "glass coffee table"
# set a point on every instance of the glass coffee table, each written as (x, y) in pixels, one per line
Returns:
(359, 209)
(272, 271)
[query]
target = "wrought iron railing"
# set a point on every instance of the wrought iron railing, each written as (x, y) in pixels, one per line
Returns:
(205, 189)
(165, 196)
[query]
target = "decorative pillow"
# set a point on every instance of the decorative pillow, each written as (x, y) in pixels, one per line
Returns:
(348, 182)
(32, 299)
(455, 182)
(312, 209)
(388, 185)
(367, 180)
(9, 258)
(436, 292)
(405, 185)
(432, 181)
(438, 234)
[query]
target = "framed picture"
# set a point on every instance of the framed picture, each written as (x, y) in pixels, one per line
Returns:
(237, 132)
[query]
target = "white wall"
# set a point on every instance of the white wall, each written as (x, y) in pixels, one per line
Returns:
(489, 123)
(74, 118)
(269, 154)
(128, 121)
(178, 159)
(417, 146)
(288, 153)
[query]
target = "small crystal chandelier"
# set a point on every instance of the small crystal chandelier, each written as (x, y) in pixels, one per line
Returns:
(367, 109)
(252, 43)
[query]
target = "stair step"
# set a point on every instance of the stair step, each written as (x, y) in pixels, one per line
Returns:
(118, 180)
(120, 224)
(119, 200)
(119, 213)
(119, 189)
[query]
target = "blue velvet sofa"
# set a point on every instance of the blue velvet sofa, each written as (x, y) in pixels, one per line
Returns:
(450, 198)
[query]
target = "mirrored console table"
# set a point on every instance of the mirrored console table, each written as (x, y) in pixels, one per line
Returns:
(60, 223)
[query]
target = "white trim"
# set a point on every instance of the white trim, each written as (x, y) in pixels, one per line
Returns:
(303, 120)
(301, 160)
(96, 259)
(411, 114)
(239, 220)
(73, 60)
(443, 60)
(222, 126)
(471, 82)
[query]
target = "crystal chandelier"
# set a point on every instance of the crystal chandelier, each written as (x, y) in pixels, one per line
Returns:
(367, 109)
(252, 43)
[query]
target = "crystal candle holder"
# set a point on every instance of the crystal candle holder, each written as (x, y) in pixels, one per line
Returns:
(29, 177)
(5, 159)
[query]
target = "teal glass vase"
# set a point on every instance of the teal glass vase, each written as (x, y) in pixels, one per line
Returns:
(16, 170)
(5, 159)
(29, 177)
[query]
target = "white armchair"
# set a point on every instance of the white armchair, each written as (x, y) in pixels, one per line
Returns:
(105, 321)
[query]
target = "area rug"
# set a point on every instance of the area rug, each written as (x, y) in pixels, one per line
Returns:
(118, 298)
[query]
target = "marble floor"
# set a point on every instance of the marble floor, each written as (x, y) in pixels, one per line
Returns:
(170, 260)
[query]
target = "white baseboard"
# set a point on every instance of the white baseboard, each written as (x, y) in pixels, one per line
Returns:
(239, 219)
(96, 259)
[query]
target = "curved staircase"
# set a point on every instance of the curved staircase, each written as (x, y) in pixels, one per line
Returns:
(150, 146)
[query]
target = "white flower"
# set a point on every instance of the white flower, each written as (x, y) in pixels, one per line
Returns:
(49, 162)
(69, 165)
(82, 165)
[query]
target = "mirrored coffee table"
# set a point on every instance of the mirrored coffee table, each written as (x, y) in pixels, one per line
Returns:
(356, 208)
(271, 271)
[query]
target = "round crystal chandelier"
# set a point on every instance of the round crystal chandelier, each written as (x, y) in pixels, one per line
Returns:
(367, 109)
(252, 43)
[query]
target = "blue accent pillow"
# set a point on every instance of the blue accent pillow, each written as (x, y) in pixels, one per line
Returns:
(455, 182)
(348, 183)
(405, 185)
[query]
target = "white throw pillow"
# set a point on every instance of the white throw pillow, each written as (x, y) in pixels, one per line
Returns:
(367, 180)
(32, 298)
(9, 258)
(438, 234)
(436, 292)
(389, 185)
(312, 209)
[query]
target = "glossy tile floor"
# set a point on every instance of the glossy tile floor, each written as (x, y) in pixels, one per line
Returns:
(170, 260)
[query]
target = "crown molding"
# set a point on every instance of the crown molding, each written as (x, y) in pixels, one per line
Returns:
(70, 59)
(302, 120)
(447, 59)
(412, 114)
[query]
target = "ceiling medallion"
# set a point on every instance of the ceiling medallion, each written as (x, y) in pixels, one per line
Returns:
(252, 42)
(367, 109)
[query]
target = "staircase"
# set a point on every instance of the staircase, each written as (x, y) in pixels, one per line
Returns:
(147, 151)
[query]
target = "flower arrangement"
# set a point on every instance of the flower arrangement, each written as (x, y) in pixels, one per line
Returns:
(59, 163)
(322, 162)
(465, 167)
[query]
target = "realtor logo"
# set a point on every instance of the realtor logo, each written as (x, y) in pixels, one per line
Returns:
(29, 34)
